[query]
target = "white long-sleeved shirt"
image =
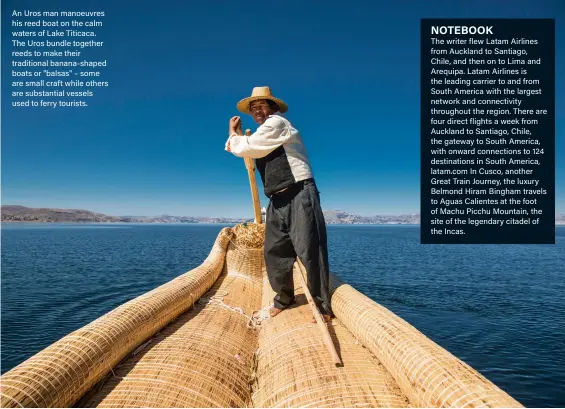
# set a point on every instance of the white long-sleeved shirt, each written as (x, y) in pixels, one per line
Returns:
(276, 131)
(269, 136)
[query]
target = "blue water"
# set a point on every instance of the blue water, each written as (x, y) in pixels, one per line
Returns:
(500, 308)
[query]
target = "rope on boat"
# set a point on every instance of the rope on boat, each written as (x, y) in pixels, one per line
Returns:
(247, 277)
(217, 298)
(253, 321)
(261, 315)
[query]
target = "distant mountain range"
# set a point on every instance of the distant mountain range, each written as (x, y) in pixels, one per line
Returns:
(341, 217)
(49, 215)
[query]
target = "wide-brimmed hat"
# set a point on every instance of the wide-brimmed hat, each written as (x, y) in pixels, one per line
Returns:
(260, 93)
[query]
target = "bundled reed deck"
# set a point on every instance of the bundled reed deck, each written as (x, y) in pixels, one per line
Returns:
(295, 369)
(203, 359)
(427, 374)
(205, 340)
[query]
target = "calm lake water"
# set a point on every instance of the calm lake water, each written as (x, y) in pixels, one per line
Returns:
(500, 308)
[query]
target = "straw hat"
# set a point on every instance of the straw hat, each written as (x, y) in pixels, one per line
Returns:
(260, 93)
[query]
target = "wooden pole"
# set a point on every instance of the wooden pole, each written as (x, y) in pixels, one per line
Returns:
(250, 166)
(319, 319)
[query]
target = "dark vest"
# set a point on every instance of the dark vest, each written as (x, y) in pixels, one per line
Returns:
(275, 171)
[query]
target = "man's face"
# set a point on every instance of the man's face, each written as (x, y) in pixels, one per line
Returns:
(260, 110)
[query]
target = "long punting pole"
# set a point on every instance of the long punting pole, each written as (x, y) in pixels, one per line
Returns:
(250, 165)
(319, 319)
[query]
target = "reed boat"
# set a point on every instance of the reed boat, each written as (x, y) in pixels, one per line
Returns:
(205, 339)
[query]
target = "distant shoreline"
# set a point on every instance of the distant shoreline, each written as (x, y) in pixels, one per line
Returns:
(23, 214)
(18, 213)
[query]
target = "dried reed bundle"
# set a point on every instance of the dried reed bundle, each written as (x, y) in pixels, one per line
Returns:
(427, 374)
(205, 356)
(295, 369)
(60, 374)
(249, 235)
(203, 359)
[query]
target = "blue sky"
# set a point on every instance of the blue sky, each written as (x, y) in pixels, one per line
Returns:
(153, 141)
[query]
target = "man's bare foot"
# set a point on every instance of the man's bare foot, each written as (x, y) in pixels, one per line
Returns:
(274, 311)
(327, 318)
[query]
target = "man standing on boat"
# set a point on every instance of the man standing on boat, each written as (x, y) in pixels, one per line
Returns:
(295, 224)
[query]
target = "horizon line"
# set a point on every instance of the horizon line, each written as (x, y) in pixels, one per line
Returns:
(417, 213)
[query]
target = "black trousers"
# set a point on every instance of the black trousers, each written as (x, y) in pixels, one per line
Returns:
(295, 226)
